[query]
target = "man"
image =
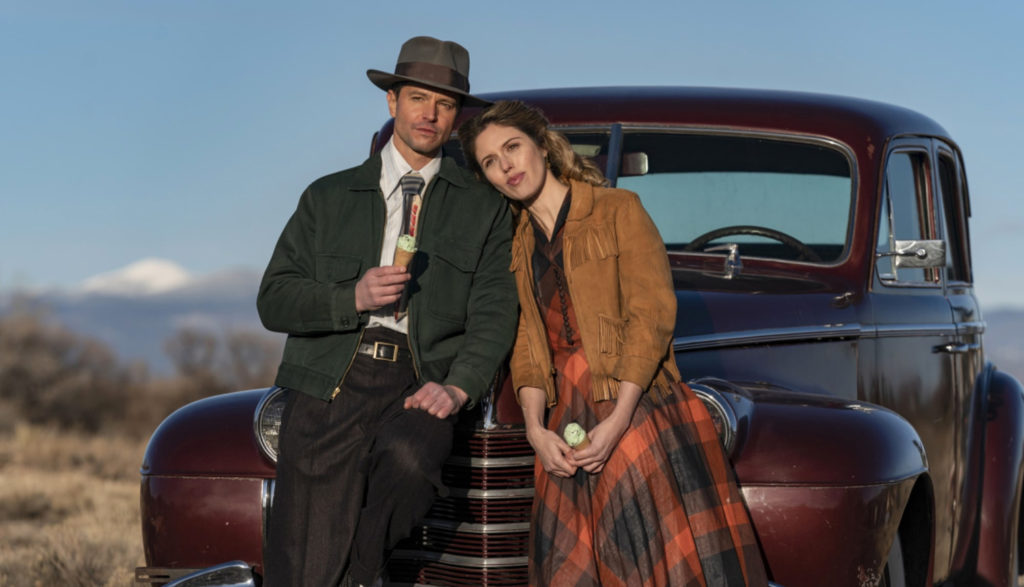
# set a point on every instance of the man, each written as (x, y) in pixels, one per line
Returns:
(381, 358)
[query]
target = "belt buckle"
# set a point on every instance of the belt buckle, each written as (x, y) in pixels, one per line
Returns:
(380, 346)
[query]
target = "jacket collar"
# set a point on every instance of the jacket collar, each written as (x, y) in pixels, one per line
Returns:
(582, 200)
(582, 205)
(367, 175)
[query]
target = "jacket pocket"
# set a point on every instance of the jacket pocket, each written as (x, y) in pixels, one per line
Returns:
(451, 267)
(612, 334)
(337, 268)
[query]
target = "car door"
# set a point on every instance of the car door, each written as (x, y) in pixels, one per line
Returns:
(966, 351)
(916, 374)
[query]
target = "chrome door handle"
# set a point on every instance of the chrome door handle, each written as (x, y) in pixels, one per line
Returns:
(954, 348)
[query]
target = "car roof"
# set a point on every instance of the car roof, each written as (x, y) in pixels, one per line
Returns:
(846, 118)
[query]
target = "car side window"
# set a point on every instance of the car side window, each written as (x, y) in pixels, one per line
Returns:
(954, 205)
(906, 214)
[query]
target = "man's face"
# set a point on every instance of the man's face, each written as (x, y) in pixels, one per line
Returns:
(423, 121)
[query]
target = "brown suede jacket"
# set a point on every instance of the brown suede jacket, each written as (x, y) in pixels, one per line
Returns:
(621, 289)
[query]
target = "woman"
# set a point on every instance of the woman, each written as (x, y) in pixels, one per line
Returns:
(651, 500)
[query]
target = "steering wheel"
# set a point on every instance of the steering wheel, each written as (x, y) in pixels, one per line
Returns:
(806, 252)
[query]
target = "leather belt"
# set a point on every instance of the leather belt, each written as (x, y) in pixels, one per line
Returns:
(384, 351)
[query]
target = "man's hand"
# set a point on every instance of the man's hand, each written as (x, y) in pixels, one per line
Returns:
(379, 287)
(437, 400)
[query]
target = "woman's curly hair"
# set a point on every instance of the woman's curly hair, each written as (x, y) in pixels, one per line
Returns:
(565, 163)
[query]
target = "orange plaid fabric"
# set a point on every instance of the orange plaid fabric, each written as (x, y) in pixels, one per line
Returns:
(664, 511)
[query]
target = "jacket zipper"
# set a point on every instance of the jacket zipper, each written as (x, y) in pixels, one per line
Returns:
(362, 330)
(337, 388)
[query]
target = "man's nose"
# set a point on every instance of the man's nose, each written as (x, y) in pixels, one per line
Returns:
(430, 112)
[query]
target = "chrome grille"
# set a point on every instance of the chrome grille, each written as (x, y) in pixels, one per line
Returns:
(478, 534)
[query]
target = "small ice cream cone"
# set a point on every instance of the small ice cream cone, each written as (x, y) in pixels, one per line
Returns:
(575, 436)
(404, 250)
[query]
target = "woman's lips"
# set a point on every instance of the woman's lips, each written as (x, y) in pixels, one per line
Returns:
(515, 179)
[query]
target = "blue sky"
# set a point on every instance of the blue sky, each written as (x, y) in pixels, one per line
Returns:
(187, 129)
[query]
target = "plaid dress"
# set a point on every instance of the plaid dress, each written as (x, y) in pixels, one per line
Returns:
(665, 510)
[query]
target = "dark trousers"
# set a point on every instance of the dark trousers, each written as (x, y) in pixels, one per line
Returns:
(354, 476)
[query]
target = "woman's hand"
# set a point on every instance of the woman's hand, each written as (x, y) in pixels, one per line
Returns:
(603, 439)
(552, 451)
(550, 448)
(606, 436)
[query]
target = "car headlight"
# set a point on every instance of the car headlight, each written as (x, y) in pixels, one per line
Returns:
(722, 414)
(267, 424)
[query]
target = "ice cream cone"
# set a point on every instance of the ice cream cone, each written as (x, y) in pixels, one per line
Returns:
(575, 436)
(403, 257)
(404, 250)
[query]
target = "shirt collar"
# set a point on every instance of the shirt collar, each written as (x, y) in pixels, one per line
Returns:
(394, 166)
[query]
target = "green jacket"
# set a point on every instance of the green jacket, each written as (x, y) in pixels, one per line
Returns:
(462, 304)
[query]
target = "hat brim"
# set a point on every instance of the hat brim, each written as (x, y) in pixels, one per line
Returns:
(386, 81)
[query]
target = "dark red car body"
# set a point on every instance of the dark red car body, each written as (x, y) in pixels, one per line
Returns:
(872, 442)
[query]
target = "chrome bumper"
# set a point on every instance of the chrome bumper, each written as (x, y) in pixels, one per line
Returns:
(231, 574)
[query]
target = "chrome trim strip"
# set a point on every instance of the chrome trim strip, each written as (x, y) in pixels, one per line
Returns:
(461, 561)
(768, 335)
(267, 504)
(975, 327)
(491, 493)
(508, 528)
(493, 463)
(903, 330)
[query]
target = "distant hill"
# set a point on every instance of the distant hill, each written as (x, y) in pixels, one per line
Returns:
(1004, 340)
(135, 310)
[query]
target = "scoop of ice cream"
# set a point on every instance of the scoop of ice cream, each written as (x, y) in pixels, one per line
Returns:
(407, 242)
(575, 436)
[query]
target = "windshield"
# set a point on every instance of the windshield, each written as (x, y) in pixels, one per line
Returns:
(773, 198)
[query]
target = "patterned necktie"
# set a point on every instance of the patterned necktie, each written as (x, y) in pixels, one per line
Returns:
(411, 183)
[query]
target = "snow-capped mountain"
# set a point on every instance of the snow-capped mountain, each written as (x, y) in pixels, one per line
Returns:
(145, 277)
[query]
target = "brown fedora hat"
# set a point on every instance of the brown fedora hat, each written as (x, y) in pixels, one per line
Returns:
(443, 65)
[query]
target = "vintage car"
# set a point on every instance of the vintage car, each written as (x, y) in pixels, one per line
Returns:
(826, 315)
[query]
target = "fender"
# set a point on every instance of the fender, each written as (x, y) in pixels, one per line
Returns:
(1001, 479)
(218, 427)
(840, 442)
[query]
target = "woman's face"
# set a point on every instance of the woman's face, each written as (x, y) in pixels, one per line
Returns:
(514, 164)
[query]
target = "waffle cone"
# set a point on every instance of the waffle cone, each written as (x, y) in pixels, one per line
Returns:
(403, 257)
(583, 444)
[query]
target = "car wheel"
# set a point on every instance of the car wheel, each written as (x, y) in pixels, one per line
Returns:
(894, 574)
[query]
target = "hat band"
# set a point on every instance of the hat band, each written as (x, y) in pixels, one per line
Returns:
(434, 74)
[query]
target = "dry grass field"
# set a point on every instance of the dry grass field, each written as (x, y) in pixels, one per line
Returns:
(73, 429)
(69, 508)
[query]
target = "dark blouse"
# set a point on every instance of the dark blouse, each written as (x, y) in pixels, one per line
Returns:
(549, 285)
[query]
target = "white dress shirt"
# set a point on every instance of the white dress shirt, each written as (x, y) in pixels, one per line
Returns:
(393, 167)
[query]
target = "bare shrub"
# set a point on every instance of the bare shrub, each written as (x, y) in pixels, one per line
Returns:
(252, 358)
(63, 519)
(236, 359)
(54, 376)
